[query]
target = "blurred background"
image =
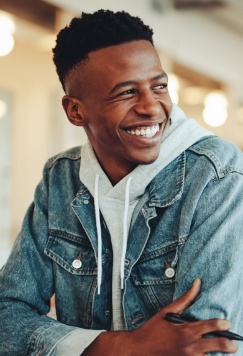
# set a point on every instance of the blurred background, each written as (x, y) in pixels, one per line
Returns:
(201, 47)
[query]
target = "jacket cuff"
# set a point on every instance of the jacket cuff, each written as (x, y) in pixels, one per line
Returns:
(61, 339)
(76, 342)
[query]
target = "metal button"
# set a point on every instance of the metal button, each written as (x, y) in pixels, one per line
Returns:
(77, 264)
(107, 312)
(86, 201)
(169, 272)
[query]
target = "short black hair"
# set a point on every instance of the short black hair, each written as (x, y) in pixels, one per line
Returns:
(91, 32)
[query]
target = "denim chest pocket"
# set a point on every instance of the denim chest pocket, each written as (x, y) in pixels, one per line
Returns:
(156, 267)
(153, 277)
(74, 253)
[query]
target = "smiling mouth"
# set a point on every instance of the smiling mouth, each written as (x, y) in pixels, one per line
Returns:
(145, 131)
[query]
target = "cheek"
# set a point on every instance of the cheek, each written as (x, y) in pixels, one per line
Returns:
(118, 110)
(101, 130)
(167, 103)
(103, 121)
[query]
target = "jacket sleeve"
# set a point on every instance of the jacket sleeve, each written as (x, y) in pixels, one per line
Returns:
(26, 286)
(214, 253)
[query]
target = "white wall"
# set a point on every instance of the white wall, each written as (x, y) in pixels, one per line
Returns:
(39, 125)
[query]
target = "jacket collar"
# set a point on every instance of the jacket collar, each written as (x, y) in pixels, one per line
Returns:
(167, 185)
(165, 188)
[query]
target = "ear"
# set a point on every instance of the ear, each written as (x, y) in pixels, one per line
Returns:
(74, 110)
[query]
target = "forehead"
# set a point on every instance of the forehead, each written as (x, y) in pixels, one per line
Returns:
(131, 61)
(127, 56)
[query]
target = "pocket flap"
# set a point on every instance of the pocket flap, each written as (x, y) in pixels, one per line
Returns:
(74, 253)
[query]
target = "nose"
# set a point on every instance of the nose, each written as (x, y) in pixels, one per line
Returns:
(148, 105)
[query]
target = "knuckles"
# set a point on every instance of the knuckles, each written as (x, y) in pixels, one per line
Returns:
(227, 345)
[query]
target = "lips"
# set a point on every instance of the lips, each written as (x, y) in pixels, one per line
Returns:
(145, 131)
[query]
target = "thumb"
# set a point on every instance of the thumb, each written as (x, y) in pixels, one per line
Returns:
(182, 303)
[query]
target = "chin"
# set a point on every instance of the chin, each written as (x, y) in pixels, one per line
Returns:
(144, 156)
(148, 160)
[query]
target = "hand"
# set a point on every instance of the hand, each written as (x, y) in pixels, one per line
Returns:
(160, 337)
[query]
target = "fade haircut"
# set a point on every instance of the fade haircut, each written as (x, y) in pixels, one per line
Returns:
(91, 32)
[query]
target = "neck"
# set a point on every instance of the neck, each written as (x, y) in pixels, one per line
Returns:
(116, 172)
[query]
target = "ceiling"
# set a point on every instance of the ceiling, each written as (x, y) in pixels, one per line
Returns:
(39, 12)
(42, 12)
(227, 12)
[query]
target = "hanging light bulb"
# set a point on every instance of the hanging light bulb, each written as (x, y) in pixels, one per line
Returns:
(3, 109)
(6, 34)
(6, 23)
(215, 111)
(6, 43)
(173, 87)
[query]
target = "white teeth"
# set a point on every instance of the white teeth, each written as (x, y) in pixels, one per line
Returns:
(148, 131)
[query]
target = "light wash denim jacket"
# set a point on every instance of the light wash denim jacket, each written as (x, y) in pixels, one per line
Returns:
(190, 219)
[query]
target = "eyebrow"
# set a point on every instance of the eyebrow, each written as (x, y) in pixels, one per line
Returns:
(131, 82)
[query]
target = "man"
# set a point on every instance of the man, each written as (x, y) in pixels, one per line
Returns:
(149, 206)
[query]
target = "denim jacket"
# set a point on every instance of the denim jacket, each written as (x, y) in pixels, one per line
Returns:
(188, 221)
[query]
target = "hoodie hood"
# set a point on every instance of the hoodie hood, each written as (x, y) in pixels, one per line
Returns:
(178, 136)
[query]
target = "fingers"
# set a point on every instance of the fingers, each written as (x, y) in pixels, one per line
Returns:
(182, 303)
(200, 344)
(209, 326)
(219, 344)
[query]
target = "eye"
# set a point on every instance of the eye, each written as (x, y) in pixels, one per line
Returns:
(128, 92)
(160, 86)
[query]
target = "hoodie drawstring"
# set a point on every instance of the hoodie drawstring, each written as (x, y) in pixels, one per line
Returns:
(125, 232)
(98, 229)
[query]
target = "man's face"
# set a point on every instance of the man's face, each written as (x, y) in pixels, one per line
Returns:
(125, 105)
